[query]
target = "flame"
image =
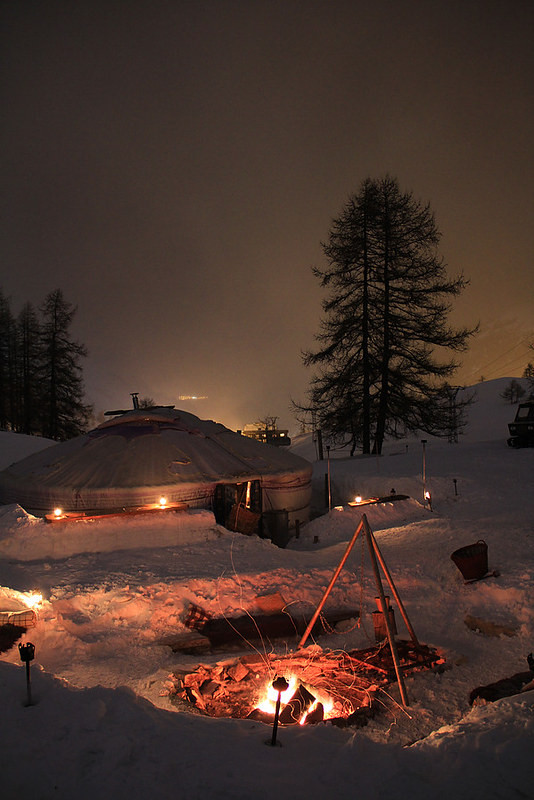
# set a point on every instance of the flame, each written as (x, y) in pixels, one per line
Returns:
(268, 702)
(326, 702)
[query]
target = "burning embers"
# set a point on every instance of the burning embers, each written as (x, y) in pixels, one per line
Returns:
(322, 685)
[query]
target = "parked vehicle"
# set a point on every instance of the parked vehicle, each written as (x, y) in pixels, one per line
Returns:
(522, 428)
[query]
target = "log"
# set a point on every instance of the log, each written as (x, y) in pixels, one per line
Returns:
(186, 642)
(224, 630)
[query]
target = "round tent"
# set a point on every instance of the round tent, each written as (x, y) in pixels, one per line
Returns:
(140, 455)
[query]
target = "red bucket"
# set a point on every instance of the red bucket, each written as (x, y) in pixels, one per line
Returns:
(472, 560)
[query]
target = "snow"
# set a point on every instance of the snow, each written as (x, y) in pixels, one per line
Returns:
(102, 722)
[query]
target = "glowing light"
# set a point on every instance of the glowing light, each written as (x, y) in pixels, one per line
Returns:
(58, 512)
(33, 599)
(427, 495)
(358, 499)
(192, 397)
(328, 707)
(162, 502)
(268, 702)
(30, 599)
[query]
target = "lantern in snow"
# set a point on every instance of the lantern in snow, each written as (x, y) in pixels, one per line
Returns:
(27, 654)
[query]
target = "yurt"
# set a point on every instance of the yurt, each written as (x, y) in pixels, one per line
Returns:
(141, 455)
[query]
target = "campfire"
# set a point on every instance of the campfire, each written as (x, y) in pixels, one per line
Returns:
(299, 703)
(335, 686)
(311, 685)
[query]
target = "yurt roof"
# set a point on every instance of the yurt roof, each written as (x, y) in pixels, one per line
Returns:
(158, 446)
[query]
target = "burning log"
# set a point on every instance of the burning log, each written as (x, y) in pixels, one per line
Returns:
(297, 707)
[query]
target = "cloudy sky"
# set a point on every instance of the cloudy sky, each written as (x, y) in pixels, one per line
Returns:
(173, 165)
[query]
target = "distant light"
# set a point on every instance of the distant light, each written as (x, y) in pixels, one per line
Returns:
(58, 512)
(162, 502)
(192, 397)
(358, 499)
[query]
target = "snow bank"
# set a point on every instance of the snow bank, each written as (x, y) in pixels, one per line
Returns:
(112, 743)
(16, 446)
(27, 538)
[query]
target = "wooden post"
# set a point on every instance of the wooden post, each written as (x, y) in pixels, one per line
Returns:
(329, 480)
(391, 637)
(330, 585)
(320, 444)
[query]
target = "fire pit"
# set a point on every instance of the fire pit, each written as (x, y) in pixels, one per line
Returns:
(334, 686)
(322, 685)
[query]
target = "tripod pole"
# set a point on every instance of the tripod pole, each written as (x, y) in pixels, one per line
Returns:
(394, 591)
(330, 585)
(391, 638)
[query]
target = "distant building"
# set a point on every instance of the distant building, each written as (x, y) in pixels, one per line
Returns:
(277, 436)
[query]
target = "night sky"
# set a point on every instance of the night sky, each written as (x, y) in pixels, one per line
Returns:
(174, 166)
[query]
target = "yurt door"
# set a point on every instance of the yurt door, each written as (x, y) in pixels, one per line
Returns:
(237, 506)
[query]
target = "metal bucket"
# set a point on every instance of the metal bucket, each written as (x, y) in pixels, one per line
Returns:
(379, 620)
(472, 560)
(379, 624)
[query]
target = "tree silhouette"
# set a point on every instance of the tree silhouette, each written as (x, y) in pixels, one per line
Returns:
(63, 411)
(384, 319)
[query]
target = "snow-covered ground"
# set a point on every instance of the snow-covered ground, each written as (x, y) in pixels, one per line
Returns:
(102, 724)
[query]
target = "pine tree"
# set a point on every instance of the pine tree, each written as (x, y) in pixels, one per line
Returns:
(7, 363)
(513, 392)
(529, 375)
(384, 318)
(63, 411)
(28, 378)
